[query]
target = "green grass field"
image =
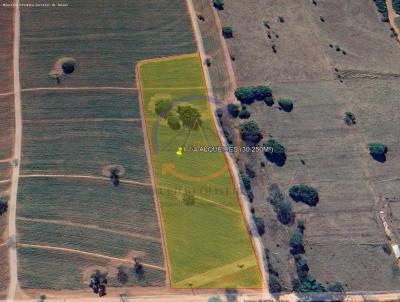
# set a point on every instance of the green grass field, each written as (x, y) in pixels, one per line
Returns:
(207, 242)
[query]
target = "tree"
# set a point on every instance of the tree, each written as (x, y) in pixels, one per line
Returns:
(245, 95)
(188, 198)
(378, 151)
(162, 108)
(218, 4)
(296, 243)
(233, 109)
(190, 117)
(274, 152)
(68, 67)
(250, 131)
(349, 118)
(309, 285)
(3, 206)
(122, 276)
(227, 32)
(174, 122)
(304, 193)
(284, 212)
(98, 282)
(261, 92)
(244, 114)
(285, 104)
(302, 268)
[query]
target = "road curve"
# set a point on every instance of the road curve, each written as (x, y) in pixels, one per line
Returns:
(12, 203)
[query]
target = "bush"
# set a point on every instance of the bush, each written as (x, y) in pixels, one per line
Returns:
(275, 194)
(377, 151)
(284, 212)
(250, 131)
(122, 276)
(173, 122)
(190, 117)
(349, 118)
(296, 243)
(218, 4)
(274, 284)
(285, 104)
(262, 92)
(246, 181)
(302, 268)
(233, 109)
(275, 152)
(309, 285)
(244, 114)
(245, 95)
(304, 193)
(259, 222)
(163, 108)
(3, 206)
(227, 32)
(219, 112)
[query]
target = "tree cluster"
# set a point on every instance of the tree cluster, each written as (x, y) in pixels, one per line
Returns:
(247, 95)
(274, 152)
(304, 193)
(98, 282)
(282, 207)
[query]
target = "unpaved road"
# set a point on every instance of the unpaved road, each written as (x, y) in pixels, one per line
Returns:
(392, 16)
(12, 203)
(258, 247)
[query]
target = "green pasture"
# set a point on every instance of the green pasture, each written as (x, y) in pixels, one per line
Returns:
(210, 234)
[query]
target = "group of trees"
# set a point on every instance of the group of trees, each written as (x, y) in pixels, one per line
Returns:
(247, 95)
(186, 115)
(304, 193)
(98, 282)
(235, 111)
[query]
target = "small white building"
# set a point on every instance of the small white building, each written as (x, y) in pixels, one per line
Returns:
(396, 252)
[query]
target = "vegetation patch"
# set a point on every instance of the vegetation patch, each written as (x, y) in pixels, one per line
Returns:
(304, 193)
(197, 223)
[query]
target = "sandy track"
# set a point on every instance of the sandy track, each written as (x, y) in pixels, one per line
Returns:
(392, 16)
(12, 203)
(90, 226)
(78, 88)
(62, 249)
(5, 181)
(84, 177)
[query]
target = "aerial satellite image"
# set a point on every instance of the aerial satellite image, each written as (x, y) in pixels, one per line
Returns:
(199, 150)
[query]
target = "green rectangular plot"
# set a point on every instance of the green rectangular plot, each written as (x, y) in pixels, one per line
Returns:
(207, 242)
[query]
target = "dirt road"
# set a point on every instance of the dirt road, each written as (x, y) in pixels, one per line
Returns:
(12, 204)
(392, 16)
(259, 249)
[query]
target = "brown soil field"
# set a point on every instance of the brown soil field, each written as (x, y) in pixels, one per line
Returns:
(344, 235)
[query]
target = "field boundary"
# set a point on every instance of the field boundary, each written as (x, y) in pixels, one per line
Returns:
(151, 172)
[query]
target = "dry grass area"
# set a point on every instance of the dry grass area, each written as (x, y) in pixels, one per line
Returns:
(344, 234)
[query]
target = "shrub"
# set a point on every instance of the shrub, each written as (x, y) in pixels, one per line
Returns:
(219, 112)
(245, 95)
(378, 151)
(274, 284)
(244, 114)
(233, 109)
(285, 104)
(259, 222)
(162, 108)
(246, 181)
(190, 117)
(302, 268)
(336, 287)
(250, 131)
(122, 276)
(296, 243)
(284, 212)
(208, 62)
(3, 206)
(275, 194)
(227, 32)
(174, 122)
(304, 193)
(218, 4)
(349, 118)
(249, 170)
(274, 152)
